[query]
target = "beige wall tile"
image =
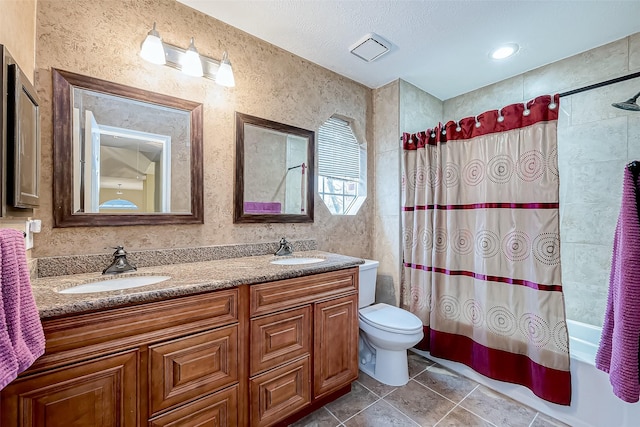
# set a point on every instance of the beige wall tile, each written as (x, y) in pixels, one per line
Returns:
(592, 66)
(484, 99)
(634, 52)
(418, 109)
(594, 182)
(593, 223)
(103, 41)
(593, 142)
(633, 137)
(595, 105)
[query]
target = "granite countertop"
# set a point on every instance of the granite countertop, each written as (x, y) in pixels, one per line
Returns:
(186, 279)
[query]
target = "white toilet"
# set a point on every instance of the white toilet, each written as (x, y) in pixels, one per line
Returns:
(386, 332)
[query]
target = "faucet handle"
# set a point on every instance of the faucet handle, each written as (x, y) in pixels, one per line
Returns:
(119, 250)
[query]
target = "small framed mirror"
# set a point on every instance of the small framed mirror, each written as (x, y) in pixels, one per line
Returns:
(124, 156)
(274, 180)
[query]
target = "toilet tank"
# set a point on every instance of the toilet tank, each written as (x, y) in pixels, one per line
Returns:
(367, 278)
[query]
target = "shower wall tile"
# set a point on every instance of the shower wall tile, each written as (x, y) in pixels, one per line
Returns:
(418, 109)
(599, 141)
(564, 116)
(592, 66)
(633, 137)
(584, 303)
(594, 182)
(595, 105)
(490, 97)
(587, 268)
(634, 52)
(589, 223)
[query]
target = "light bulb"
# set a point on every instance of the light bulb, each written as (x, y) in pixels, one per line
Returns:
(152, 49)
(224, 76)
(191, 63)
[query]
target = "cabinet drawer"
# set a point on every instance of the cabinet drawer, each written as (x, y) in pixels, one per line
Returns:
(190, 367)
(219, 409)
(80, 337)
(280, 392)
(279, 338)
(274, 296)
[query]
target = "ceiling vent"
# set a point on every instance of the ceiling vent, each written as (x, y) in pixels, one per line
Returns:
(371, 47)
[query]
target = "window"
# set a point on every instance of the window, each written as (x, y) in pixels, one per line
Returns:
(341, 168)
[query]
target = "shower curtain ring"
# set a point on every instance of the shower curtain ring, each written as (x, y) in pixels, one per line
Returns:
(553, 105)
(526, 111)
(477, 122)
(458, 128)
(500, 116)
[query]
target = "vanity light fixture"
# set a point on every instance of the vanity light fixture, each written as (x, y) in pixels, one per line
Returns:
(224, 77)
(152, 49)
(504, 51)
(188, 61)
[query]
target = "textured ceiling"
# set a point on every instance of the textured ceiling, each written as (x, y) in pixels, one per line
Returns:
(441, 47)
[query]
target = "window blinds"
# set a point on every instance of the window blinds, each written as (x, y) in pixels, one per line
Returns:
(338, 151)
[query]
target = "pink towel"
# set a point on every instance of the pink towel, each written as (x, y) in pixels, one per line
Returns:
(620, 342)
(21, 335)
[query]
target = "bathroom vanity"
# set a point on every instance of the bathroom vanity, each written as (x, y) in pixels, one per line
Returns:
(262, 352)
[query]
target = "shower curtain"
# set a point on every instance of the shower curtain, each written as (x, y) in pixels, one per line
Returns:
(482, 247)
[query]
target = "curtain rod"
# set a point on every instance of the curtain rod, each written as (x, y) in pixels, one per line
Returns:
(597, 85)
(601, 84)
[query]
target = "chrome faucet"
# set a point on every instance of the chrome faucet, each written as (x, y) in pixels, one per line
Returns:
(285, 248)
(120, 263)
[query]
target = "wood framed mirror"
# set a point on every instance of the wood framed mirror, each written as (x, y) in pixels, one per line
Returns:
(124, 156)
(274, 177)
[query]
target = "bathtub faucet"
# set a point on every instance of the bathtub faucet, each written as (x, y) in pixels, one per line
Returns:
(285, 248)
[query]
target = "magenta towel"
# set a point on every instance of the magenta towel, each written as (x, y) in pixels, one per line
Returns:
(619, 344)
(21, 335)
(262, 207)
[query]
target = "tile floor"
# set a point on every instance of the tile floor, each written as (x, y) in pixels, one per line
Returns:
(434, 396)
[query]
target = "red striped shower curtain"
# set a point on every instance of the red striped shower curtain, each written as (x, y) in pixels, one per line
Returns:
(482, 247)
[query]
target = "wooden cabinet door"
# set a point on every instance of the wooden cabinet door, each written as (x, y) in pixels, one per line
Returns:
(335, 347)
(217, 410)
(99, 393)
(280, 392)
(187, 368)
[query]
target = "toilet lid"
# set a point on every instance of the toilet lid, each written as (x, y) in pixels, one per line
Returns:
(389, 318)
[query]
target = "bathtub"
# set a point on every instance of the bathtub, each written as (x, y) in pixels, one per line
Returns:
(593, 404)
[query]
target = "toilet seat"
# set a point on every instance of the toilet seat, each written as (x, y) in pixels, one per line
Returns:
(389, 318)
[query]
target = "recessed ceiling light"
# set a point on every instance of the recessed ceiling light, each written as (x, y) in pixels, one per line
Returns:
(504, 51)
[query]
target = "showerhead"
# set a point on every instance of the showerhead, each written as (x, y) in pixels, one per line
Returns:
(629, 104)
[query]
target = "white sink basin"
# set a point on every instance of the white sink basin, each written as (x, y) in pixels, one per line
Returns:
(296, 261)
(114, 284)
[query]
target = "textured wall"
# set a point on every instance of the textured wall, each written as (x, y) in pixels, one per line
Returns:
(386, 101)
(102, 39)
(18, 32)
